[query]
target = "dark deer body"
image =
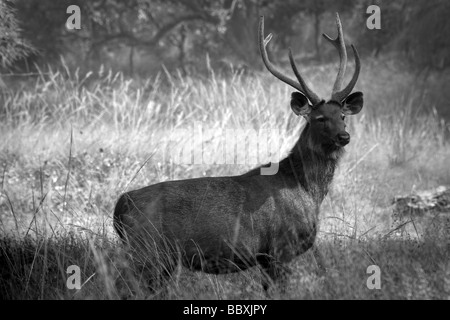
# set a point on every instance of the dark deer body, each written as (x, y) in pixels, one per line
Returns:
(228, 224)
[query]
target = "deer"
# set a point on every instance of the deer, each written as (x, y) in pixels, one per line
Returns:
(228, 224)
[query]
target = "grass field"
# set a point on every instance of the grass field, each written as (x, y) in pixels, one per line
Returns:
(71, 145)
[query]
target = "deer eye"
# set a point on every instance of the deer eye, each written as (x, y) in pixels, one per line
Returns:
(321, 119)
(343, 117)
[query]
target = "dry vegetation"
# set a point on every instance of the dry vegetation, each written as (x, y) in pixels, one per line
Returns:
(71, 145)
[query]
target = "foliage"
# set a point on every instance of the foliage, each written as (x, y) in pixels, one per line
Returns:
(179, 33)
(426, 36)
(12, 46)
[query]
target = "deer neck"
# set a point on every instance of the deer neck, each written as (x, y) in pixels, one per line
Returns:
(311, 166)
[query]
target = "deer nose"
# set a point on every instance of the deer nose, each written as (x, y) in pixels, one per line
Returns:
(343, 138)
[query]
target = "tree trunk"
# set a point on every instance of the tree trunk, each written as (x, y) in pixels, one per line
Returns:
(2, 84)
(317, 35)
(131, 62)
(182, 49)
(241, 34)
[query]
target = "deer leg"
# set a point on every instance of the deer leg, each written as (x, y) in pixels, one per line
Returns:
(319, 259)
(153, 261)
(156, 273)
(274, 273)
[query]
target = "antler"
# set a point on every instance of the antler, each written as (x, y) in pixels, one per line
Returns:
(301, 85)
(341, 95)
(339, 43)
(340, 46)
(308, 92)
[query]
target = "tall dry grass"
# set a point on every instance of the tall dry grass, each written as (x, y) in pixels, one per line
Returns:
(72, 144)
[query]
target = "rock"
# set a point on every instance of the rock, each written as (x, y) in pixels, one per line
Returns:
(423, 213)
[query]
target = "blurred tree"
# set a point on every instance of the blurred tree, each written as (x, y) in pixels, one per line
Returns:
(289, 13)
(394, 15)
(180, 33)
(45, 26)
(12, 46)
(419, 30)
(238, 26)
(425, 38)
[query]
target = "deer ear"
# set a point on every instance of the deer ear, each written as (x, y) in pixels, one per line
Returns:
(353, 103)
(300, 104)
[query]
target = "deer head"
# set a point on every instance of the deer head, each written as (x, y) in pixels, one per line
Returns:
(326, 118)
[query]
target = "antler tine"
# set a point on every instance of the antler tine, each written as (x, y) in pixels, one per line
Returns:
(301, 85)
(308, 92)
(262, 47)
(340, 46)
(341, 95)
